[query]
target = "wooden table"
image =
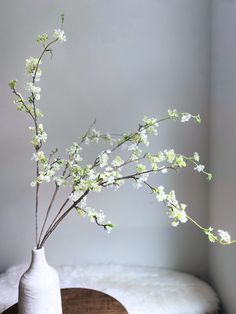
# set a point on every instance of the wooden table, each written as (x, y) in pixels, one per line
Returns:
(84, 301)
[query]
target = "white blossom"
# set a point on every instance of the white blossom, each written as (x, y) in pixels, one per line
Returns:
(37, 74)
(34, 90)
(141, 179)
(164, 170)
(178, 215)
(94, 215)
(103, 159)
(44, 177)
(84, 202)
(224, 235)
(170, 155)
(161, 156)
(131, 147)
(185, 117)
(75, 196)
(74, 149)
(59, 180)
(93, 136)
(175, 223)
(160, 193)
(117, 162)
(141, 168)
(173, 114)
(180, 161)
(59, 34)
(111, 180)
(33, 184)
(136, 153)
(199, 168)
(39, 156)
(171, 198)
(43, 136)
(196, 157)
(78, 158)
(31, 65)
(143, 137)
(151, 125)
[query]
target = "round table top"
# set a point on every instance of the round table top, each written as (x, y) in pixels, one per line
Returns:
(81, 301)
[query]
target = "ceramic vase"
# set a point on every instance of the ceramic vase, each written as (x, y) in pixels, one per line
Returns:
(39, 288)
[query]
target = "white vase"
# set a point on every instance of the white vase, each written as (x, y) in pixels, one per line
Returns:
(39, 288)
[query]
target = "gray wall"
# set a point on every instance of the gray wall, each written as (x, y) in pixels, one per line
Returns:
(223, 151)
(123, 59)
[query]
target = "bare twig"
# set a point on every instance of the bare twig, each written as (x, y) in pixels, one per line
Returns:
(88, 131)
(48, 211)
(58, 221)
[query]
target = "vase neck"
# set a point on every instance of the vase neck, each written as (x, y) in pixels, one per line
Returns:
(38, 257)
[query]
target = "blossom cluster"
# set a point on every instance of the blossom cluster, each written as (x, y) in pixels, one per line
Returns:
(184, 116)
(222, 237)
(95, 136)
(177, 211)
(48, 171)
(59, 34)
(32, 68)
(96, 216)
(40, 135)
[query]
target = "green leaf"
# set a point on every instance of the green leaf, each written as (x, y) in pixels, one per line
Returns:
(12, 84)
(209, 176)
(110, 225)
(62, 17)
(80, 211)
(198, 119)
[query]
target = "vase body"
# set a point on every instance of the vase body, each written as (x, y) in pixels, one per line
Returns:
(39, 288)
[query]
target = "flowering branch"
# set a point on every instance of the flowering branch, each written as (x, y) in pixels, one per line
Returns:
(107, 170)
(96, 217)
(177, 212)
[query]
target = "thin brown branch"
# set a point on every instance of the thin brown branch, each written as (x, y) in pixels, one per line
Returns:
(48, 211)
(41, 56)
(37, 200)
(36, 132)
(58, 221)
(52, 154)
(137, 174)
(54, 219)
(128, 161)
(87, 132)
